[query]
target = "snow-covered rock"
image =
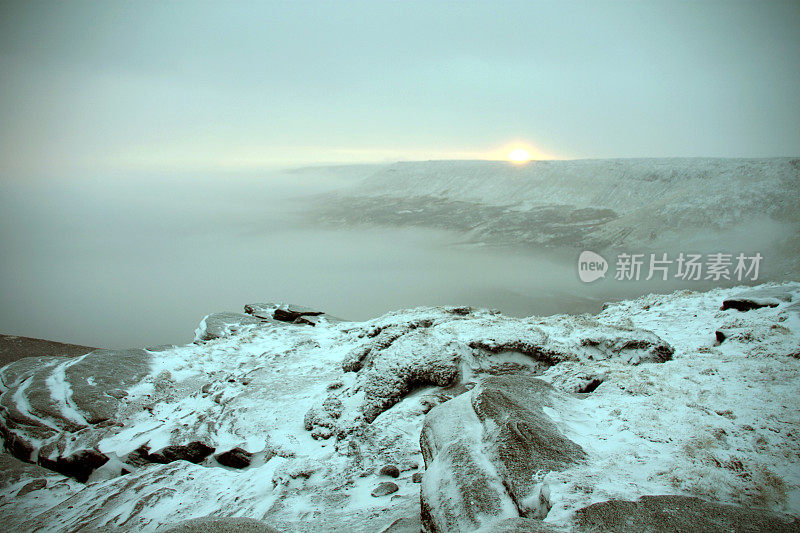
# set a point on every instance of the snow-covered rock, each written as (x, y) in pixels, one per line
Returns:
(487, 452)
(624, 204)
(319, 410)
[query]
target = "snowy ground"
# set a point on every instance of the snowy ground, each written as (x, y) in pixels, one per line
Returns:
(716, 421)
(719, 422)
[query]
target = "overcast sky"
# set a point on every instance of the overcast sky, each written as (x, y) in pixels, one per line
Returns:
(194, 85)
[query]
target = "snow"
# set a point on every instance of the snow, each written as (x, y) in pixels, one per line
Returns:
(718, 421)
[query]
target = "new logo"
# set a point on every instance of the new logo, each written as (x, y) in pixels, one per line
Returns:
(591, 266)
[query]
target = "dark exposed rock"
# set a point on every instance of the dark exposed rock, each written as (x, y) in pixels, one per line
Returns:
(235, 458)
(287, 314)
(384, 488)
(36, 484)
(756, 299)
(416, 477)
(194, 452)
(390, 470)
(291, 315)
(592, 384)
(78, 465)
(720, 336)
(522, 439)
(139, 457)
(666, 514)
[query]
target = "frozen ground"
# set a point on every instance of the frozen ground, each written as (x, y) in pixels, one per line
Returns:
(319, 410)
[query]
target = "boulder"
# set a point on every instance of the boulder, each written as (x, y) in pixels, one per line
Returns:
(486, 453)
(384, 488)
(390, 470)
(194, 452)
(78, 465)
(235, 458)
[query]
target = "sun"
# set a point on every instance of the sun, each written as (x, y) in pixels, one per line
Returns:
(519, 155)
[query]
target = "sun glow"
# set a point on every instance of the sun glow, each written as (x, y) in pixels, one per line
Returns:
(519, 155)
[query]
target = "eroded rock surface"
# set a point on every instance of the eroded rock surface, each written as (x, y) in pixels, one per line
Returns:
(452, 348)
(487, 452)
(47, 402)
(668, 513)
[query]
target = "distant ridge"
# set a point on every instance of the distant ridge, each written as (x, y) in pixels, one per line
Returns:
(650, 204)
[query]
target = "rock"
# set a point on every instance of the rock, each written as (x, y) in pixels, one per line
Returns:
(552, 340)
(416, 477)
(384, 488)
(577, 381)
(390, 470)
(78, 465)
(757, 298)
(36, 484)
(663, 514)
(95, 374)
(47, 401)
(194, 452)
(217, 325)
(288, 313)
(235, 458)
(215, 524)
(720, 336)
(485, 454)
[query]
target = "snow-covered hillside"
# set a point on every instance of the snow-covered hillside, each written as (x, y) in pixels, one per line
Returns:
(659, 204)
(303, 422)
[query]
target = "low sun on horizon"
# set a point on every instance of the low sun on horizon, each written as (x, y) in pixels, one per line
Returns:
(519, 155)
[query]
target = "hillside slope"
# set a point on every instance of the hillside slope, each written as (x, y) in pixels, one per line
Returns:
(708, 205)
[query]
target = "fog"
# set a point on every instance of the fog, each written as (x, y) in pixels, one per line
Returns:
(138, 260)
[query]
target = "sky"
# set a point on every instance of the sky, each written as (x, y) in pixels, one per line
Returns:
(129, 86)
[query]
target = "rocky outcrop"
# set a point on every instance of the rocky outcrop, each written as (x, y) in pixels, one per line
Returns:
(452, 348)
(289, 313)
(499, 445)
(46, 401)
(486, 454)
(218, 325)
